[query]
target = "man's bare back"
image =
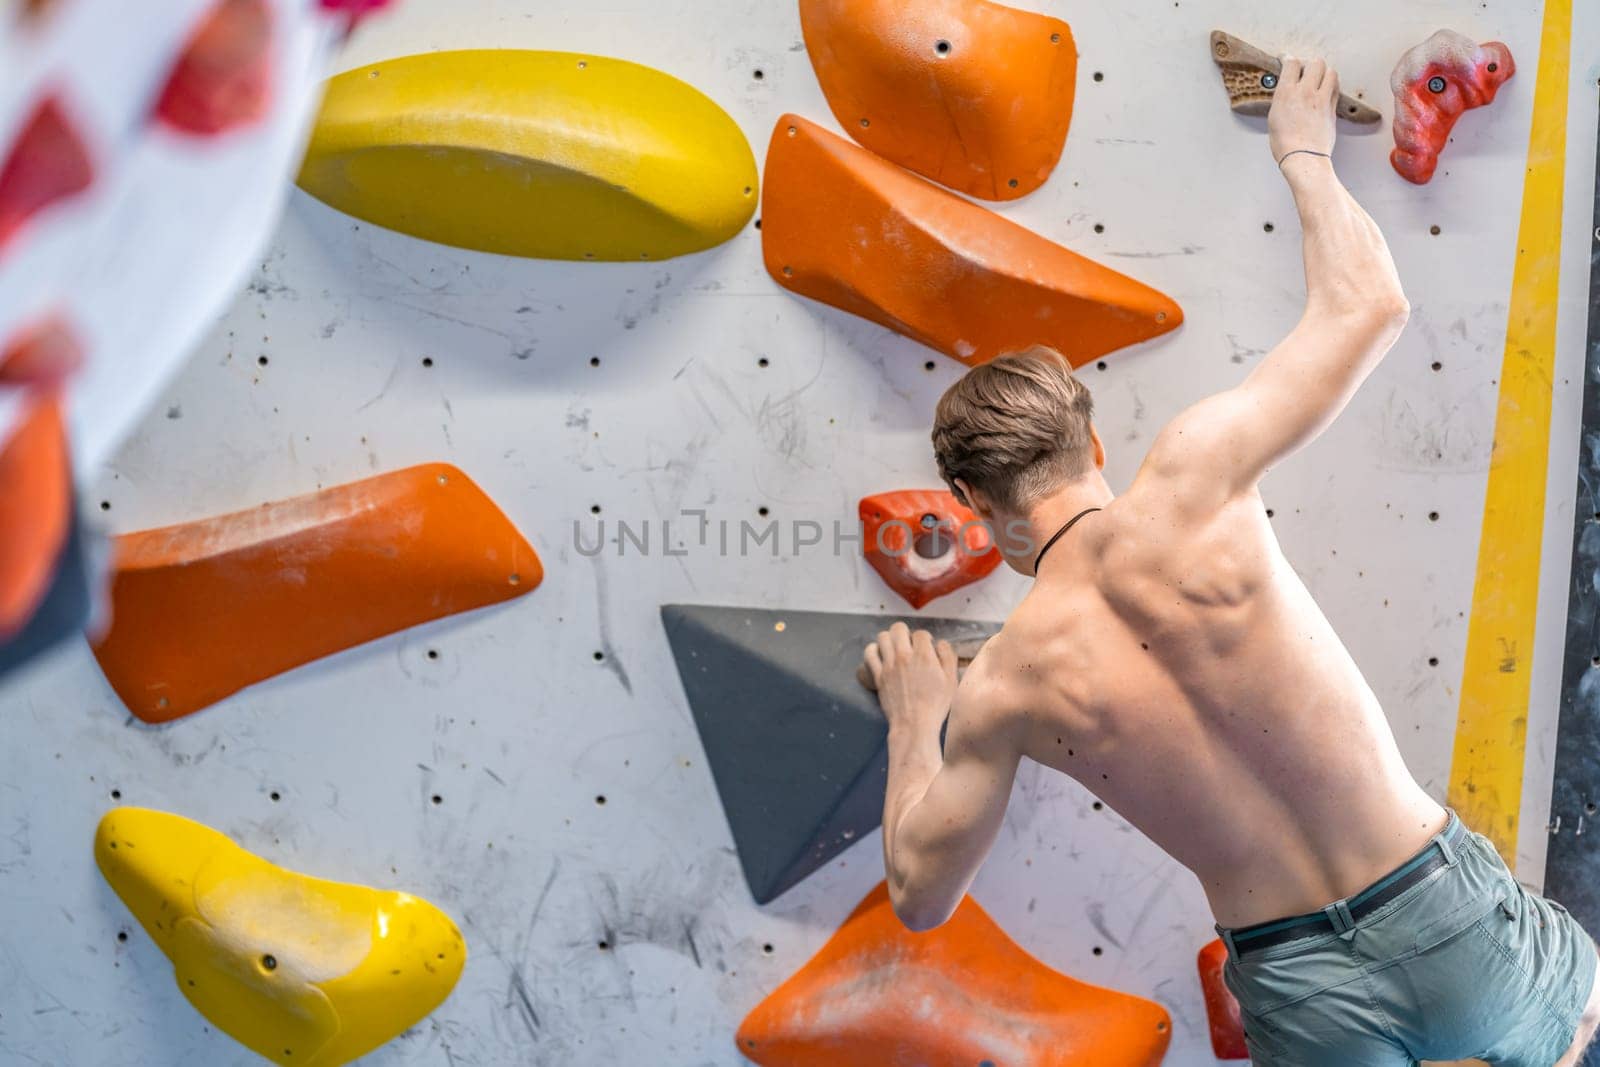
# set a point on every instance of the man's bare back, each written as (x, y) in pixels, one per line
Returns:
(1184, 674)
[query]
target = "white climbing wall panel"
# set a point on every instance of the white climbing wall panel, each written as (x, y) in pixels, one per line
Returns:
(476, 777)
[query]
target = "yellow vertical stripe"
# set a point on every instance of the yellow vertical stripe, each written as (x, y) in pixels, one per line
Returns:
(1492, 727)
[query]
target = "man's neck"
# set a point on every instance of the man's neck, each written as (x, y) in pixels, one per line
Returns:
(1055, 511)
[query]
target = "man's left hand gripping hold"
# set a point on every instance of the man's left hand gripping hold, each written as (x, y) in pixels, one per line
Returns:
(942, 812)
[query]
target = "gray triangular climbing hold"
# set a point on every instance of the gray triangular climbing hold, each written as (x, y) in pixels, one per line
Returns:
(795, 744)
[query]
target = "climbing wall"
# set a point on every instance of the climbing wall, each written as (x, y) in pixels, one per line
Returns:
(533, 768)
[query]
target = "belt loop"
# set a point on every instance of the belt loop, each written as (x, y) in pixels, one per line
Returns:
(1447, 849)
(1227, 941)
(1338, 914)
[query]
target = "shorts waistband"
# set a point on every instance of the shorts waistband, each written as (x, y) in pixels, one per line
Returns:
(1341, 916)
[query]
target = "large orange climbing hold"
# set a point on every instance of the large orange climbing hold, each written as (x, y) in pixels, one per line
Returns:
(1433, 84)
(1222, 1007)
(973, 94)
(206, 608)
(958, 996)
(35, 511)
(223, 77)
(47, 163)
(924, 543)
(844, 227)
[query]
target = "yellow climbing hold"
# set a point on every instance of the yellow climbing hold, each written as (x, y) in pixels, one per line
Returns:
(301, 970)
(546, 154)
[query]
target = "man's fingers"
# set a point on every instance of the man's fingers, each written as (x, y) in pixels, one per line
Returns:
(885, 646)
(900, 634)
(947, 657)
(1292, 69)
(922, 641)
(1331, 84)
(1315, 71)
(874, 661)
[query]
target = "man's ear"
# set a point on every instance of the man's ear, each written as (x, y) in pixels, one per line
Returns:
(976, 500)
(1099, 449)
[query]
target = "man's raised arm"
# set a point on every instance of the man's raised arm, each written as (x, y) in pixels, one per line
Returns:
(1355, 311)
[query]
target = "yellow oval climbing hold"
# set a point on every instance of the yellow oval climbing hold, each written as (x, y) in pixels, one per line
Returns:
(546, 154)
(301, 970)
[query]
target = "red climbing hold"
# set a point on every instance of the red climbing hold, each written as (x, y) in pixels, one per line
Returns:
(223, 77)
(1433, 84)
(43, 354)
(924, 543)
(47, 162)
(1222, 1009)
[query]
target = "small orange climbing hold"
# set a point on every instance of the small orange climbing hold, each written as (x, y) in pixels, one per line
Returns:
(924, 543)
(958, 996)
(844, 227)
(201, 610)
(223, 77)
(973, 94)
(1222, 1008)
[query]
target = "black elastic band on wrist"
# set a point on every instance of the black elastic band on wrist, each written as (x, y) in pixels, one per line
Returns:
(1303, 151)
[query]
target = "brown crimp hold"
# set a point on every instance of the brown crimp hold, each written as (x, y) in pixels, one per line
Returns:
(1244, 70)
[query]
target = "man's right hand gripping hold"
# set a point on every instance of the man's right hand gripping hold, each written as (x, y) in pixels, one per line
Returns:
(1170, 659)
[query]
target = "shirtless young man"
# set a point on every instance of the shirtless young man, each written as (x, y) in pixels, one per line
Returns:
(1170, 659)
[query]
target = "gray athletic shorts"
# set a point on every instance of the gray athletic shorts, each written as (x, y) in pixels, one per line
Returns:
(1464, 964)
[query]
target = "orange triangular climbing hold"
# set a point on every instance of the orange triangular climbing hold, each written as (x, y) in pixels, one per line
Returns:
(203, 609)
(844, 227)
(958, 996)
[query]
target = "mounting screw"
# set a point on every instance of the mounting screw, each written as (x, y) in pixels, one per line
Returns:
(929, 521)
(1269, 81)
(1436, 84)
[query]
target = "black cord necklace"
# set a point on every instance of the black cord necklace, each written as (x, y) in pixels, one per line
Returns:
(1059, 534)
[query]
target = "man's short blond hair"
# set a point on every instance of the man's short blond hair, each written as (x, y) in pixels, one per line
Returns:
(1016, 428)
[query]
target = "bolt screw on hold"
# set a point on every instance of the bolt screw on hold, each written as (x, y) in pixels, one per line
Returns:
(1269, 81)
(1436, 84)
